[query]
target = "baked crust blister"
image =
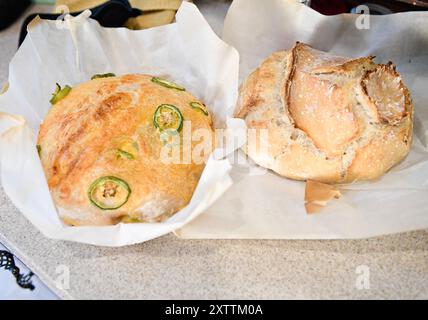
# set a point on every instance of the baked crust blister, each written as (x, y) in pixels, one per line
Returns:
(79, 143)
(328, 118)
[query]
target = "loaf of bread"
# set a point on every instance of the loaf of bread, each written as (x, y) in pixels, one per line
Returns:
(326, 118)
(101, 149)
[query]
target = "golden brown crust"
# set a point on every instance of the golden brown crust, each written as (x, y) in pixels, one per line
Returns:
(322, 109)
(318, 194)
(328, 118)
(385, 94)
(80, 136)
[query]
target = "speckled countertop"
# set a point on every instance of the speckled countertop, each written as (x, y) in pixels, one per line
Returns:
(390, 267)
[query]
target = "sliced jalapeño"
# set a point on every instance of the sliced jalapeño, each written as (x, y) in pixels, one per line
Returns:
(59, 93)
(199, 107)
(109, 193)
(104, 75)
(168, 116)
(122, 154)
(39, 150)
(167, 84)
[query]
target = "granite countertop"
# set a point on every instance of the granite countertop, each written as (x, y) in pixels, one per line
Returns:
(394, 267)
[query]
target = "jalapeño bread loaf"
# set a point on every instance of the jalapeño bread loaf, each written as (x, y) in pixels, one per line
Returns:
(101, 146)
(326, 118)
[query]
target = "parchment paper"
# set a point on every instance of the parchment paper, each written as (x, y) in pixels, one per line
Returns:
(73, 50)
(268, 206)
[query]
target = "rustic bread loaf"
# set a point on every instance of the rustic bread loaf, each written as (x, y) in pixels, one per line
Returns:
(326, 118)
(100, 147)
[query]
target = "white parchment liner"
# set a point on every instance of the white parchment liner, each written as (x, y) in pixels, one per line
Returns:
(70, 52)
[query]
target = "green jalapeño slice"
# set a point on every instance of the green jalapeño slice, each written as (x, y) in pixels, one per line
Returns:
(104, 75)
(168, 116)
(167, 84)
(122, 154)
(109, 193)
(199, 107)
(39, 150)
(59, 93)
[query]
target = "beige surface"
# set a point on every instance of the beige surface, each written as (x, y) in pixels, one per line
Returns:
(172, 268)
(224, 269)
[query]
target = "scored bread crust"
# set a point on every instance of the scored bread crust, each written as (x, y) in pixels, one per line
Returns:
(81, 133)
(326, 118)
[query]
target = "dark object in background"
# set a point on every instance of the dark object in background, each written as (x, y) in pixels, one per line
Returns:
(8, 263)
(331, 7)
(111, 14)
(10, 10)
